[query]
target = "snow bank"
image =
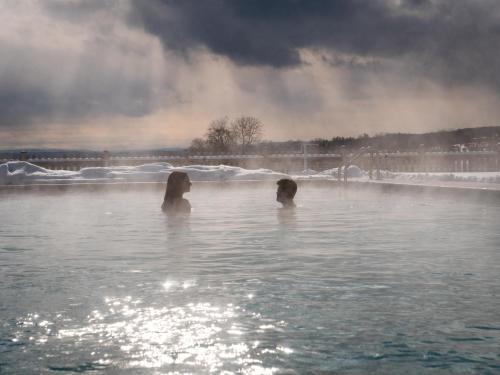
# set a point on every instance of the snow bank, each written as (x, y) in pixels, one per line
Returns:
(24, 173)
(481, 177)
(353, 171)
(21, 172)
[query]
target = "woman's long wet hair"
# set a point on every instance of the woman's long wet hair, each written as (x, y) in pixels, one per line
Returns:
(175, 186)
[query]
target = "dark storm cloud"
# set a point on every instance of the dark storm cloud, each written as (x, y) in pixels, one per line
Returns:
(76, 61)
(31, 88)
(69, 61)
(453, 41)
(27, 105)
(79, 10)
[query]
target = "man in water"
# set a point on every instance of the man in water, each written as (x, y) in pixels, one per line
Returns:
(286, 192)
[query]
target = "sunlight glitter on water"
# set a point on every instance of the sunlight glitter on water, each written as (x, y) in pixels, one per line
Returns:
(152, 337)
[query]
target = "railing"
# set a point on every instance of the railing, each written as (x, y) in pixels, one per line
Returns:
(368, 159)
(473, 161)
(349, 160)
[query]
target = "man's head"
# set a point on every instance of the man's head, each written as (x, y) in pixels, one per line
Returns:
(286, 191)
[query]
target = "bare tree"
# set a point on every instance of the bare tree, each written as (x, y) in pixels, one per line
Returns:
(220, 137)
(247, 130)
(198, 145)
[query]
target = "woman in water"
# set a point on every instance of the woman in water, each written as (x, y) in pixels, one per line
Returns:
(177, 184)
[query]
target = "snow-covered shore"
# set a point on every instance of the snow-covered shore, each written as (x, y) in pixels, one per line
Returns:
(480, 177)
(24, 173)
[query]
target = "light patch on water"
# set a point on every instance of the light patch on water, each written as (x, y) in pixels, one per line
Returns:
(284, 349)
(267, 326)
(188, 284)
(259, 370)
(170, 285)
(235, 330)
(192, 336)
(33, 323)
(167, 285)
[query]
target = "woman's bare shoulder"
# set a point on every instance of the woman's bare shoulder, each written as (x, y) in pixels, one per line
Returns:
(183, 205)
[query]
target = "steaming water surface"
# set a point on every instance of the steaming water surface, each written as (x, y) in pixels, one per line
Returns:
(349, 283)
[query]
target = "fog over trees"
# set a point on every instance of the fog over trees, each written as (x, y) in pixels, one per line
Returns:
(244, 135)
(219, 136)
(247, 131)
(224, 136)
(475, 138)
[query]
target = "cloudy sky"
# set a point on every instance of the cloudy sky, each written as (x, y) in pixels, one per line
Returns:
(153, 73)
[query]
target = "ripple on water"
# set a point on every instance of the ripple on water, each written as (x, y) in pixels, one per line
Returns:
(348, 284)
(128, 334)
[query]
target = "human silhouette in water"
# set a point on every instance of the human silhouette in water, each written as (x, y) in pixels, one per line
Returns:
(286, 192)
(177, 184)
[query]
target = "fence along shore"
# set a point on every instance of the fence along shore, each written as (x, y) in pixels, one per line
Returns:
(369, 160)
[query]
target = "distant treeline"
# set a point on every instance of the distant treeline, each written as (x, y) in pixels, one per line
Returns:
(68, 154)
(483, 138)
(445, 140)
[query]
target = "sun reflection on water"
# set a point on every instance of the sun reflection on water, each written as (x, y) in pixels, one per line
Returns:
(173, 332)
(128, 333)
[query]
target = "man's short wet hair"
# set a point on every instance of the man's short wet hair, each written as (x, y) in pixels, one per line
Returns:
(289, 186)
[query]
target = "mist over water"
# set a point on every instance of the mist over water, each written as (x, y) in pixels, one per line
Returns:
(348, 282)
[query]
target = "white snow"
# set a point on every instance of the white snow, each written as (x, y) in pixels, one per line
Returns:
(481, 177)
(24, 173)
(353, 171)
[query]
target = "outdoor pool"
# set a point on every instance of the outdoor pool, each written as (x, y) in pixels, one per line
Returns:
(350, 282)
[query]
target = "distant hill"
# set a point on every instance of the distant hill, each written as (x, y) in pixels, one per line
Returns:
(48, 153)
(474, 137)
(486, 137)
(82, 153)
(444, 140)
